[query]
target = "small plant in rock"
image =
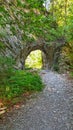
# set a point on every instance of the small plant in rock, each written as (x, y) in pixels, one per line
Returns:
(56, 67)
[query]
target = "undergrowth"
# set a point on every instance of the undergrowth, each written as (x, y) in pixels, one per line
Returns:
(18, 83)
(71, 74)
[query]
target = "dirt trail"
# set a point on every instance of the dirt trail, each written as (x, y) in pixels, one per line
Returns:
(49, 110)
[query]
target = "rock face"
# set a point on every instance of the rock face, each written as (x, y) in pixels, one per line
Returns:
(19, 35)
(19, 51)
(50, 53)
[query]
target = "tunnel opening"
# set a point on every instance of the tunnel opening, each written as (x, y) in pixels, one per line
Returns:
(35, 60)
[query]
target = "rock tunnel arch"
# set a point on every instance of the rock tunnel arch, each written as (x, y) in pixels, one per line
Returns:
(47, 52)
(36, 60)
(52, 51)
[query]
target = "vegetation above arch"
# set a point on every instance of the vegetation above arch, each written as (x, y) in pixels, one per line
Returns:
(32, 19)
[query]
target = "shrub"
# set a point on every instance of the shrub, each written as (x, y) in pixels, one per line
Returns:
(19, 83)
(6, 68)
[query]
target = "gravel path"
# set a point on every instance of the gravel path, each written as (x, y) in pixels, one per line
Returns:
(48, 110)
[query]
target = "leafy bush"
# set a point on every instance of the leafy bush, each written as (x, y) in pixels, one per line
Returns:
(19, 83)
(13, 82)
(6, 65)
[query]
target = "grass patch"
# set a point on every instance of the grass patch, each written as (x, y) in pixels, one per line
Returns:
(20, 82)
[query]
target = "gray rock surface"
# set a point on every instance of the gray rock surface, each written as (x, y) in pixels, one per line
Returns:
(49, 110)
(18, 49)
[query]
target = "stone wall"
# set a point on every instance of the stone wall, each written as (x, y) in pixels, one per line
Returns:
(18, 50)
(50, 53)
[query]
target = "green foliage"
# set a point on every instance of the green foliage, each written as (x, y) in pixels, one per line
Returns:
(35, 20)
(13, 82)
(2, 46)
(71, 74)
(68, 56)
(19, 83)
(6, 63)
(31, 15)
(31, 19)
(56, 67)
(6, 69)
